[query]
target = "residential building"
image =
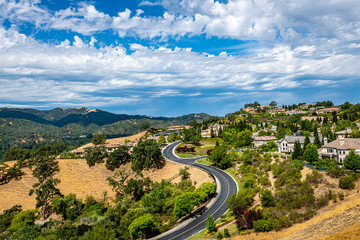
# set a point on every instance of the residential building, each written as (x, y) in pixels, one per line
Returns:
(340, 148)
(177, 128)
(343, 133)
(259, 141)
(327, 110)
(207, 132)
(287, 144)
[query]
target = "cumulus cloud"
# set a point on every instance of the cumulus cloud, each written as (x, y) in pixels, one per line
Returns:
(75, 73)
(264, 20)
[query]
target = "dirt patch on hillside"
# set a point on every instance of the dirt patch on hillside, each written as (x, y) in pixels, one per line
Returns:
(77, 177)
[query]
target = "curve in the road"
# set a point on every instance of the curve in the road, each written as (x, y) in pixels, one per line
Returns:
(226, 183)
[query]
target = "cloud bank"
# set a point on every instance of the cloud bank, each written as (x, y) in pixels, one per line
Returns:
(302, 45)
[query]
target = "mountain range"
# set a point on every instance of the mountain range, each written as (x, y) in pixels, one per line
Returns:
(29, 128)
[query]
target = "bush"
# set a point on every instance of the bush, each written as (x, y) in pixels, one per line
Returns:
(298, 164)
(262, 225)
(185, 203)
(142, 227)
(23, 219)
(346, 183)
(267, 198)
(341, 196)
(219, 236)
(7, 217)
(210, 224)
(226, 233)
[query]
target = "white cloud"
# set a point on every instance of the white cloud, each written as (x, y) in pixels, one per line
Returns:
(77, 73)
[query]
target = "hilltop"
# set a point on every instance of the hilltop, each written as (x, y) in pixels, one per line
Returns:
(30, 128)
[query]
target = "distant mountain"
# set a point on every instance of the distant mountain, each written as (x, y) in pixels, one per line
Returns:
(25, 127)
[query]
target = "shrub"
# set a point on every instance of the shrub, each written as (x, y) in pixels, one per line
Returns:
(210, 224)
(267, 198)
(219, 236)
(298, 164)
(185, 203)
(7, 217)
(346, 182)
(335, 171)
(341, 196)
(142, 227)
(23, 219)
(262, 225)
(226, 233)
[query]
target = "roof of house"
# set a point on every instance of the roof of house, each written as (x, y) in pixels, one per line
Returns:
(265, 138)
(301, 139)
(349, 143)
(329, 110)
(348, 131)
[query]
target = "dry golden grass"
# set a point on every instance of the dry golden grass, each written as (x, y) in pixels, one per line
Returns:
(116, 140)
(77, 177)
(349, 233)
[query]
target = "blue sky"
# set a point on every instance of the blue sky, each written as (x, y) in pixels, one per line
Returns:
(173, 57)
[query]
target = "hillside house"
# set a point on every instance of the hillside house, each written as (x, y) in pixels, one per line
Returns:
(344, 133)
(327, 110)
(287, 144)
(340, 148)
(207, 132)
(177, 128)
(259, 141)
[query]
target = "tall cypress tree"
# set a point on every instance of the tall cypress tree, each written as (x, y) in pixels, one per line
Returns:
(297, 154)
(306, 142)
(317, 141)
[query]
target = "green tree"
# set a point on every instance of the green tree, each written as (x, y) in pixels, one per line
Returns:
(311, 153)
(119, 156)
(306, 142)
(267, 198)
(262, 225)
(144, 126)
(100, 232)
(117, 181)
(45, 168)
(191, 135)
(23, 219)
(15, 153)
(206, 190)
(138, 187)
(185, 203)
(212, 134)
(346, 182)
(143, 227)
(273, 104)
(210, 224)
(7, 216)
(162, 139)
(220, 158)
(146, 155)
(352, 161)
(95, 155)
(171, 137)
(184, 173)
(69, 207)
(317, 141)
(98, 139)
(297, 154)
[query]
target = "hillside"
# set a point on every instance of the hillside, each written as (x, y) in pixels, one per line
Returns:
(77, 177)
(29, 128)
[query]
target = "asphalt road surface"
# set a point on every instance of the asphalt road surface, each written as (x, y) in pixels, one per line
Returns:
(228, 188)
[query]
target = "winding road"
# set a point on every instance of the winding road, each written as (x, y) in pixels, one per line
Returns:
(226, 186)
